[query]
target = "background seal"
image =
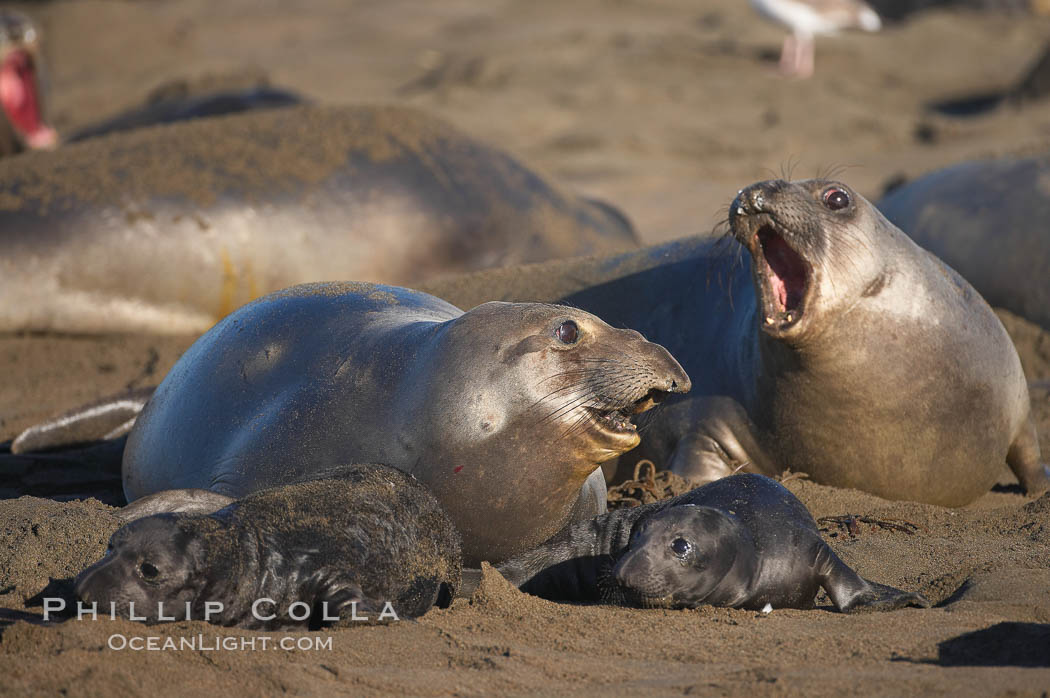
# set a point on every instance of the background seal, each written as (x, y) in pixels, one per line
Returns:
(988, 221)
(168, 229)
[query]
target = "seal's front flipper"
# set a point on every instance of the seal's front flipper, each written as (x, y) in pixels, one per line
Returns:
(718, 441)
(850, 592)
(108, 418)
(188, 501)
(1025, 461)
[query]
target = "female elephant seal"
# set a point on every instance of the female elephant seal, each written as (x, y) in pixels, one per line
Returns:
(503, 412)
(744, 541)
(988, 220)
(843, 350)
(169, 229)
(300, 554)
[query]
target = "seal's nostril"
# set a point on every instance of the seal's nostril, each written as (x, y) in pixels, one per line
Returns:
(674, 385)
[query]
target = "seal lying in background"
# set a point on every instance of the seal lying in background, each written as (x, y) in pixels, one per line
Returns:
(988, 220)
(843, 350)
(364, 535)
(169, 229)
(503, 412)
(23, 123)
(744, 541)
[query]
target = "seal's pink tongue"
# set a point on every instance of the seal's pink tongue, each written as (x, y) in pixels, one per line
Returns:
(18, 96)
(787, 271)
(780, 289)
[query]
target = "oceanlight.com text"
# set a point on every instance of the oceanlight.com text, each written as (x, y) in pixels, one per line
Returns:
(216, 643)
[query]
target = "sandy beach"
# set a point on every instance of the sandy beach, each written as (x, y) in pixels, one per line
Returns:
(664, 109)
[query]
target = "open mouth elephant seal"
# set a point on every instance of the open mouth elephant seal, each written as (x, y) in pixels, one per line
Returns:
(23, 121)
(307, 554)
(843, 349)
(989, 221)
(168, 229)
(743, 541)
(503, 412)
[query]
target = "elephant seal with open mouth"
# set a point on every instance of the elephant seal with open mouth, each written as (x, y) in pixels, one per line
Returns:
(503, 412)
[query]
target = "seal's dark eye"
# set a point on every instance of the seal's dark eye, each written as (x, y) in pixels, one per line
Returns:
(567, 332)
(836, 199)
(680, 547)
(148, 571)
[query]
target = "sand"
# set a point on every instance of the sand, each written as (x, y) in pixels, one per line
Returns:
(666, 109)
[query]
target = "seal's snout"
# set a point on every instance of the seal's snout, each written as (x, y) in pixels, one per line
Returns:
(632, 570)
(763, 219)
(668, 377)
(641, 376)
(757, 198)
(642, 579)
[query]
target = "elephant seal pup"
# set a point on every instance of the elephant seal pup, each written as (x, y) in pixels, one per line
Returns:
(369, 536)
(504, 412)
(988, 221)
(23, 123)
(843, 350)
(166, 230)
(744, 541)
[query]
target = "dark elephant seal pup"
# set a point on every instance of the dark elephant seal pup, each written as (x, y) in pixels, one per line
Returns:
(988, 220)
(504, 411)
(744, 541)
(301, 554)
(840, 349)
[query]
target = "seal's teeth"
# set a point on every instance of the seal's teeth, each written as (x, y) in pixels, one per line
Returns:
(740, 210)
(789, 317)
(769, 319)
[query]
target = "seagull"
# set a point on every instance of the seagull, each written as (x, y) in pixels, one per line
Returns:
(806, 19)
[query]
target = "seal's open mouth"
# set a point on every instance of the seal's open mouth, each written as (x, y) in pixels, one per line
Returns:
(782, 276)
(618, 419)
(20, 99)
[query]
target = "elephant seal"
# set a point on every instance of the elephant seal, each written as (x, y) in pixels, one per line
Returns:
(369, 536)
(503, 412)
(23, 123)
(987, 220)
(744, 541)
(843, 349)
(167, 230)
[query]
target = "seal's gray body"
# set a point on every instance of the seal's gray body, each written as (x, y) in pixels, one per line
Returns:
(898, 379)
(169, 229)
(486, 408)
(364, 535)
(744, 541)
(988, 220)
